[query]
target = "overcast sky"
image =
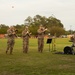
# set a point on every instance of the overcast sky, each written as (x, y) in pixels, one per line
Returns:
(63, 10)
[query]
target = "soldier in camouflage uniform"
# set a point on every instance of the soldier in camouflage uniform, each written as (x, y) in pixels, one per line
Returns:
(11, 39)
(73, 40)
(41, 32)
(25, 35)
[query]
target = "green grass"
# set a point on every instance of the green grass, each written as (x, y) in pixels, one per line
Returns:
(34, 63)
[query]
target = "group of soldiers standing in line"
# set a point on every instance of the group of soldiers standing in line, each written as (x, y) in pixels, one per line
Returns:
(11, 32)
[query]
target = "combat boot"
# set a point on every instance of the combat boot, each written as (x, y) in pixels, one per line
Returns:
(6, 52)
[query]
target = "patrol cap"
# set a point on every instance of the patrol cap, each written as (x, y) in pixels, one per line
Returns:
(26, 27)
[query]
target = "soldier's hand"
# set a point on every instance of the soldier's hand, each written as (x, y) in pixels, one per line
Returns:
(46, 29)
(27, 32)
(30, 33)
(13, 33)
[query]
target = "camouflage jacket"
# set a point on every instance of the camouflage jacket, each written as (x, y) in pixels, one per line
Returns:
(25, 34)
(41, 33)
(11, 34)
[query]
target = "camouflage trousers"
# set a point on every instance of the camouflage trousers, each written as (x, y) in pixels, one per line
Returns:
(25, 45)
(10, 45)
(40, 44)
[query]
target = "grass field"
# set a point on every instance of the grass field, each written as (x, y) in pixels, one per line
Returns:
(34, 63)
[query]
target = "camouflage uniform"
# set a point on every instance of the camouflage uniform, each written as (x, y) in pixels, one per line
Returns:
(25, 35)
(41, 32)
(11, 39)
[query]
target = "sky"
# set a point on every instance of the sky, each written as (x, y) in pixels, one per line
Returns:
(64, 10)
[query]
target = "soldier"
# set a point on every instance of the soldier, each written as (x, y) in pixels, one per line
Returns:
(41, 32)
(25, 35)
(73, 40)
(11, 39)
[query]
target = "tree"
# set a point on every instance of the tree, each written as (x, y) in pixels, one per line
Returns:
(3, 29)
(33, 29)
(28, 21)
(57, 30)
(52, 21)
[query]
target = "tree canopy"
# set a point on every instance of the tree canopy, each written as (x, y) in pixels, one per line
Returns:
(52, 23)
